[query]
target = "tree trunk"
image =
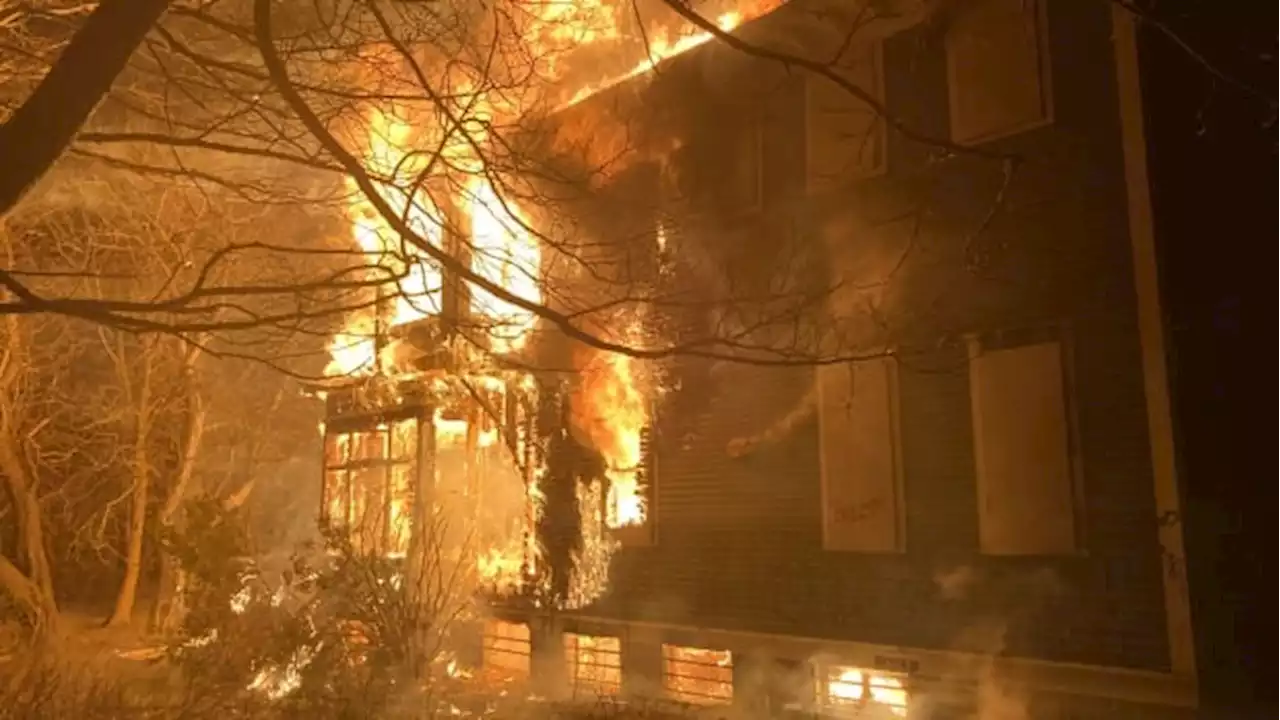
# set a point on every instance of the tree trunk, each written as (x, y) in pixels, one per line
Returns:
(32, 590)
(42, 128)
(167, 610)
(141, 494)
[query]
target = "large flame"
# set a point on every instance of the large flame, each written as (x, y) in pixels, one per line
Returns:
(610, 408)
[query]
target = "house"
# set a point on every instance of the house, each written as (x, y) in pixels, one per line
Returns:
(983, 514)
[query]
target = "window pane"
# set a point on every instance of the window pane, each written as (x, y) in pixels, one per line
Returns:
(369, 511)
(335, 495)
(401, 509)
(507, 649)
(697, 675)
(594, 663)
(404, 439)
(337, 449)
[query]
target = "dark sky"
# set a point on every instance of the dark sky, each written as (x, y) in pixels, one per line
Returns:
(1213, 161)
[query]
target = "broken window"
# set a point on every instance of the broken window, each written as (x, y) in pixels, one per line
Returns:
(594, 663)
(862, 507)
(854, 692)
(1022, 447)
(998, 69)
(369, 482)
(697, 675)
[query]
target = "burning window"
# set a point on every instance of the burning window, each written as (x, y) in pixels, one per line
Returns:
(369, 482)
(855, 692)
(594, 663)
(507, 649)
(697, 675)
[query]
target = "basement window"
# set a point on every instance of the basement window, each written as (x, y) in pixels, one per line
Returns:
(369, 480)
(698, 676)
(594, 663)
(507, 650)
(857, 693)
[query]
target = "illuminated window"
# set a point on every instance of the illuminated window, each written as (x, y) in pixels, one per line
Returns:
(697, 675)
(1023, 444)
(854, 692)
(369, 482)
(507, 649)
(594, 663)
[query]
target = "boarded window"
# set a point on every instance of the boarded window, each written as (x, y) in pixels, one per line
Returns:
(845, 137)
(507, 650)
(594, 664)
(997, 69)
(855, 692)
(1026, 493)
(861, 487)
(697, 675)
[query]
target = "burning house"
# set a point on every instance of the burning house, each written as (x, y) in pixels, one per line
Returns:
(964, 504)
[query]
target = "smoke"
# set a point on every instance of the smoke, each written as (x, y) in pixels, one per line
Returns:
(986, 639)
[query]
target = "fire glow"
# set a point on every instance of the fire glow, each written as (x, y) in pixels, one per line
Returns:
(464, 208)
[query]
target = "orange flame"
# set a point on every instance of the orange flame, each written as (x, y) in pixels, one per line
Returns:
(610, 409)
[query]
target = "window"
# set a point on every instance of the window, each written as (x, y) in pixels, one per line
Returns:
(697, 675)
(861, 478)
(369, 481)
(594, 663)
(854, 692)
(507, 650)
(998, 69)
(845, 137)
(1022, 447)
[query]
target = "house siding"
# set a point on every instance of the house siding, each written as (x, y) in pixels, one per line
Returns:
(739, 542)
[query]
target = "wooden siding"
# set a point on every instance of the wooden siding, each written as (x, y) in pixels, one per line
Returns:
(740, 542)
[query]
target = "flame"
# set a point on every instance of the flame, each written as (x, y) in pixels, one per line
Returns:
(611, 411)
(505, 253)
(663, 45)
(853, 684)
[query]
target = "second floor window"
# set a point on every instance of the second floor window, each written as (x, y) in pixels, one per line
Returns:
(998, 69)
(845, 137)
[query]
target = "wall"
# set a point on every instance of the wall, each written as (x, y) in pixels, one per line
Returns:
(739, 539)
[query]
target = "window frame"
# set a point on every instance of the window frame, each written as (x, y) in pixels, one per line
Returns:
(824, 675)
(488, 647)
(347, 465)
(1022, 337)
(573, 650)
(899, 481)
(685, 696)
(1044, 56)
